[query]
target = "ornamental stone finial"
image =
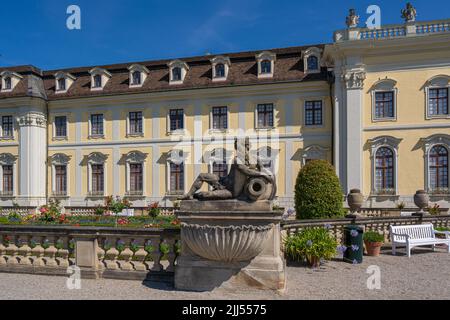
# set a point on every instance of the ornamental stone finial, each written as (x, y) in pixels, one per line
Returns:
(409, 14)
(352, 19)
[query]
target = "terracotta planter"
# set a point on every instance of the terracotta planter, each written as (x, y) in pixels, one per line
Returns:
(373, 248)
(421, 199)
(313, 262)
(355, 200)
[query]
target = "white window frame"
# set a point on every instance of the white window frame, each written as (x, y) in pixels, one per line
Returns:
(129, 134)
(384, 85)
(266, 55)
(105, 78)
(7, 159)
(313, 51)
(428, 144)
(220, 60)
(69, 78)
(97, 158)
(15, 79)
(184, 70)
(211, 119)
(60, 159)
(257, 128)
(375, 144)
(55, 138)
(5, 138)
(437, 82)
(178, 131)
(312, 126)
(135, 157)
(96, 136)
(173, 158)
(144, 74)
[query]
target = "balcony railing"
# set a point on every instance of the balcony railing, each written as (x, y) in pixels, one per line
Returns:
(135, 193)
(96, 194)
(59, 194)
(6, 193)
(394, 31)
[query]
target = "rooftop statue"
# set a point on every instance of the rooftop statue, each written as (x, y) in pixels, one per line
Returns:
(410, 13)
(245, 181)
(352, 19)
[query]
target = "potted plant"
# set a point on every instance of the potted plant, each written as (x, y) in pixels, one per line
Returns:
(311, 245)
(154, 210)
(434, 210)
(373, 241)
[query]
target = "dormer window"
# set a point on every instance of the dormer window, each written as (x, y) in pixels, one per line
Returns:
(138, 75)
(220, 67)
(99, 78)
(97, 81)
(311, 60)
(177, 71)
(266, 64)
(176, 74)
(9, 80)
(8, 83)
(63, 81)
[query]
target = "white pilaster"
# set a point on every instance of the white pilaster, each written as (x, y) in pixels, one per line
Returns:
(32, 157)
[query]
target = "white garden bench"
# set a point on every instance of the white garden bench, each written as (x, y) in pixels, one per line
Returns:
(415, 236)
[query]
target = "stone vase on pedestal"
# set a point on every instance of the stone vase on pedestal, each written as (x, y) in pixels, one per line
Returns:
(355, 201)
(231, 245)
(421, 200)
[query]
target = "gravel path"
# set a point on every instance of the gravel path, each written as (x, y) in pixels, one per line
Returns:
(425, 276)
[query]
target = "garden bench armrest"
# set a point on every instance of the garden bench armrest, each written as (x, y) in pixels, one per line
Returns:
(401, 235)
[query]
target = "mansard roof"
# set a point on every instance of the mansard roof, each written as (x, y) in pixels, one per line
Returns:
(288, 68)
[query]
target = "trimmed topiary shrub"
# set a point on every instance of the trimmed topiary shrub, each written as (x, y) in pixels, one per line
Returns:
(318, 193)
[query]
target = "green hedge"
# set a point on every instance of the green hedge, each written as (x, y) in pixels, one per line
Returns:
(318, 193)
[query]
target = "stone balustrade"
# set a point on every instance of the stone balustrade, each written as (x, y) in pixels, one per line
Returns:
(394, 31)
(119, 253)
(379, 224)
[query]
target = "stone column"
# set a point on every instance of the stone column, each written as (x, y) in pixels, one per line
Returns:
(32, 157)
(353, 78)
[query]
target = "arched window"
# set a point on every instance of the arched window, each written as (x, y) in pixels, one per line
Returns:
(384, 170)
(438, 168)
(220, 70)
(136, 77)
(266, 66)
(313, 63)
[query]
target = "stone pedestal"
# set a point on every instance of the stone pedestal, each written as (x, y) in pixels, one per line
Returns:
(230, 248)
(86, 257)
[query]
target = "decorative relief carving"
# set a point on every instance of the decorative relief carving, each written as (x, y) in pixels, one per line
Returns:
(354, 79)
(60, 159)
(32, 119)
(7, 159)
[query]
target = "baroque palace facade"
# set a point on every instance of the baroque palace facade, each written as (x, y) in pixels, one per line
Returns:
(374, 103)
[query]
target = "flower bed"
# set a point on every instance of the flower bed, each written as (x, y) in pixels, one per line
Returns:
(106, 216)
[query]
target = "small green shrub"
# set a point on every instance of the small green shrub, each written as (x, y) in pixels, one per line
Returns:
(442, 229)
(318, 193)
(372, 237)
(401, 205)
(311, 243)
(434, 210)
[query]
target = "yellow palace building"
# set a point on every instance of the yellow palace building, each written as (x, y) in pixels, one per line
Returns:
(374, 103)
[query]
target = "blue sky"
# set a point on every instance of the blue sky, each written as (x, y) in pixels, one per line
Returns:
(34, 31)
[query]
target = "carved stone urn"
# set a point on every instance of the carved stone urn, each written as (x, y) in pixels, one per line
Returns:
(227, 244)
(355, 201)
(421, 200)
